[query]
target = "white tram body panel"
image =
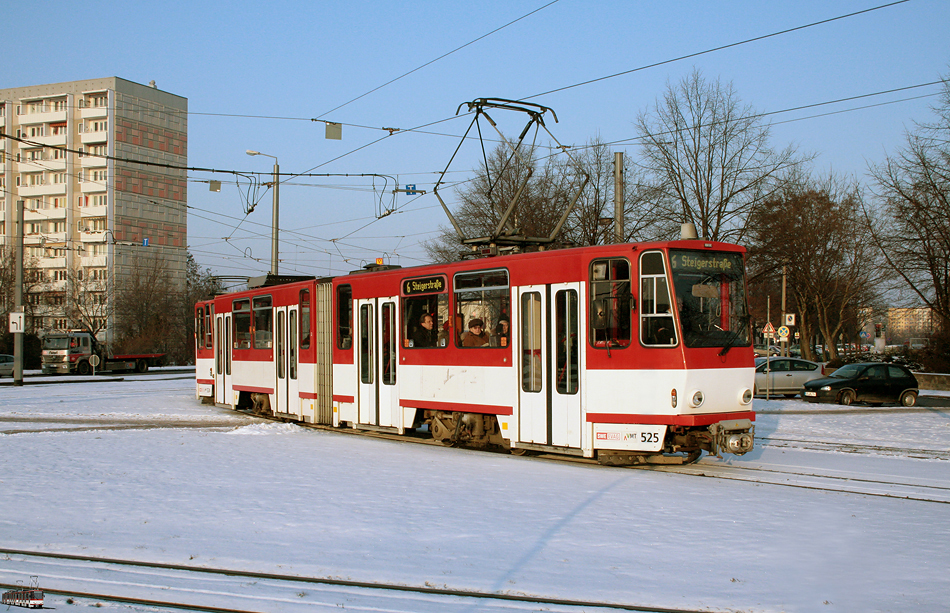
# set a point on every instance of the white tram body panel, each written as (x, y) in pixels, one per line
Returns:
(614, 352)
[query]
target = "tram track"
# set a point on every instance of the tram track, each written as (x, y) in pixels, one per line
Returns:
(137, 582)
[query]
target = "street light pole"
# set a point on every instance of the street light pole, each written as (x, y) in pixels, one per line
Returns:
(274, 220)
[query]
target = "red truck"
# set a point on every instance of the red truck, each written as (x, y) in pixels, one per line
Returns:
(78, 352)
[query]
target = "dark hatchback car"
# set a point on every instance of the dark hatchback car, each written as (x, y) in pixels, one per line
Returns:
(873, 383)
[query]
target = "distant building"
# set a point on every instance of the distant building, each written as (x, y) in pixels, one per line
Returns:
(906, 323)
(90, 209)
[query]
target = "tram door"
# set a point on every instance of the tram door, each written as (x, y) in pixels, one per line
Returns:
(376, 362)
(222, 358)
(286, 355)
(549, 344)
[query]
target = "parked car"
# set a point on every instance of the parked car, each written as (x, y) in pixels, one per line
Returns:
(6, 365)
(873, 382)
(784, 375)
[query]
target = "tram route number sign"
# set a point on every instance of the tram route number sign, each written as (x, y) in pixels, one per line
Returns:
(425, 285)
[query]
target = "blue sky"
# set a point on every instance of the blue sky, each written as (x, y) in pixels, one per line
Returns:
(243, 64)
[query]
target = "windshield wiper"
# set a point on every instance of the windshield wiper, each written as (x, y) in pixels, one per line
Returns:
(743, 322)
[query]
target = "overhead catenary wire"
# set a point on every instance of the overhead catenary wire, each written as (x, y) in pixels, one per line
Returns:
(714, 49)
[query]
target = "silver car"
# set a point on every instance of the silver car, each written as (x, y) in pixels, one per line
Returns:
(778, 375)
(6, 365)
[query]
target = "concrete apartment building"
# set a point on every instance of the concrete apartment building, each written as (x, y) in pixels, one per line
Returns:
(93, 215)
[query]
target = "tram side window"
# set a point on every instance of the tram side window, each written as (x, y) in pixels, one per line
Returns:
(305, 319)
(209, 331)
(199, 326)
(241, 316)
(263, 322)
(423, 320)
(610, 302)
(656, 307)
(344, 317)
(484, 298)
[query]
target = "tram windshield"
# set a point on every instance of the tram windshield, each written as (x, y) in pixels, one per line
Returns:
(711, 298)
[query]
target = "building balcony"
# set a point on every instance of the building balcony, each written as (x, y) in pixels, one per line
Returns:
(49, 189)
(31, 119)
(93, 112)
(92, 211)
(51, 262)
(93, 161)
(92, 186)
(58, 140)
(94, 137)
(93, 261)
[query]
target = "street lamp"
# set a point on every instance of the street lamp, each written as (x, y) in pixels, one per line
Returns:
(273, 232)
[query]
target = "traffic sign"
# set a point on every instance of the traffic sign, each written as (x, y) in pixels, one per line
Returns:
(769, 328)
(783, 332)
(790, 319)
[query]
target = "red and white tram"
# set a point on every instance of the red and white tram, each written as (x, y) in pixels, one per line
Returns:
(631, 353)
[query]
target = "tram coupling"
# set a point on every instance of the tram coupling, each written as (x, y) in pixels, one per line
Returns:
(733, 436)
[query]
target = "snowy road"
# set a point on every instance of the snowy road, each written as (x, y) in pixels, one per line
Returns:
(835, 510)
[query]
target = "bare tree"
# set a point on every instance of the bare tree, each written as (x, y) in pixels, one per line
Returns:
(144, 307)
(913, 218)
(816, 232)
(484, 199)
(591, 221)
(710, 157)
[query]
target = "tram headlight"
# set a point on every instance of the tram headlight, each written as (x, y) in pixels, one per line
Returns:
(746, 396)
(696, 399)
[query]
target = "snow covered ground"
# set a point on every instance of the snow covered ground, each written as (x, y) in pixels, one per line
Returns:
(138, 469)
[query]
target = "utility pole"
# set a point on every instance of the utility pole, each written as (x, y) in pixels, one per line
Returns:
(784, 343)
(18, 297)
(618, 197)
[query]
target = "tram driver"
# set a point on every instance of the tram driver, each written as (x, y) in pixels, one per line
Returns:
(425, 335)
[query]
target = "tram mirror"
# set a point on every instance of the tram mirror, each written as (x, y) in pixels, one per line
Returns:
(598, 315)
(702, 290)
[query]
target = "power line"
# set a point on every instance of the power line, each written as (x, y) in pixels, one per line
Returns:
(444, 55)
(720, 48)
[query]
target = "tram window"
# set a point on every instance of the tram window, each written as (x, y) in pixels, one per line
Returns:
(305, 319)
(388, 343)
(531, 342)
(610, 303)
(209, 336)
(366, 344)
(242, 323)
(292, 342)
(485, 296)
(344, 317)
(263, 322)
(656, 307)
(566, 354)
(199, 326)
(281, 344)
(425, 312)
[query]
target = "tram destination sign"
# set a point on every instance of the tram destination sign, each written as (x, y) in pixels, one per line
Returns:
(424, 285)
(699, 261)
